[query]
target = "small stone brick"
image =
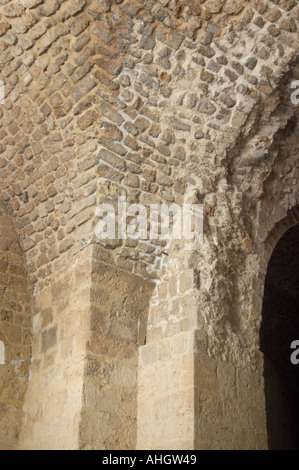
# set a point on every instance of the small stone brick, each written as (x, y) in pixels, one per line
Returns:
(111, 113)
(112, 159)
(206, 107)
(147, 43)
(85, 86)
(180, 126)
(207, 76)
(273, 15)
(81, 42)
(231, 75)
(233, 8)
(79, 25)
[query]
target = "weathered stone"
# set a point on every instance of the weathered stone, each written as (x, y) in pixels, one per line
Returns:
(77, 6)
(251, 63)
(13, 10)
(273, 15)
(206, 51)
(81, 42)
(111, 113)
(49, 338)
(227, 100)
(3, 28)
(288, 24)
(132, 181)
(141, 124)
(112, 159)
(48, 8)
(86, 85)
(79, 25)
(179, 125)
(175, 40)
(147, 43)
(148, 342)
(180, 153)
(231, 75)
(87, 119)
(213, 6)
(206, 76)
(206, 107)
(232, 8)
(165, 90)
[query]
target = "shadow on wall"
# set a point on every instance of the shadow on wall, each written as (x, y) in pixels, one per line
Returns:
(280, 327)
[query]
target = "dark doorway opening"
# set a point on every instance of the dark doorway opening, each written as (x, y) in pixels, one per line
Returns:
(280, 327)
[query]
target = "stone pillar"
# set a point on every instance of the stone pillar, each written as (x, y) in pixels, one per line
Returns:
(60, 327)
(230, 407)
(119, 308)
(166, 392)
(15, 333)
(190, 396)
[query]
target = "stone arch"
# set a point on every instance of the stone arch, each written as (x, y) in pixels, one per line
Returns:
(255, 380)
(279, 327)
(266, 250)
(223, 368)
(278, 230)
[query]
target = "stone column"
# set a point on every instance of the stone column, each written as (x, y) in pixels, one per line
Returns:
(166, 392)
(15, 333)
(119, 309)
(191, 393)
(60, 327)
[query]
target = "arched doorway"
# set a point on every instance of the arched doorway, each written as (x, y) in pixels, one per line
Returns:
(280, 327)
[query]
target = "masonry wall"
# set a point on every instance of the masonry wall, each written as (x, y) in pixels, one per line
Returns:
(160, 102)
(15, 333)
(166, 377)
(119, 310)
(54, 397)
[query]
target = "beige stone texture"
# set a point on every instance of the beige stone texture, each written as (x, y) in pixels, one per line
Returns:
(125, 344)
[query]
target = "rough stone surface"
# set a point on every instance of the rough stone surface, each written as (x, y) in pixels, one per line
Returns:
(139, 343)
